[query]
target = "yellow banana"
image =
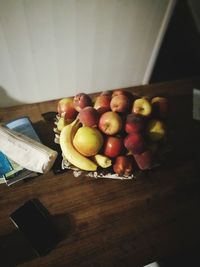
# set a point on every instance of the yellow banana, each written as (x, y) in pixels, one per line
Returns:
(62, 123)
(71, 154)
(103, 161)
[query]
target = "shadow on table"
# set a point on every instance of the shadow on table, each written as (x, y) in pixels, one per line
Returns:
(16, 249)
(185, 259)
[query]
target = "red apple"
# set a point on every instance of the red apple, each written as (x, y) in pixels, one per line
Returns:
(123, 165)
(134, 123)
(160, 106)
(81, 101)
(107, 93)
(120, 103)
(110, 123)
(66, 109)
(113, 146)
(102, 103)
(144, 160)
(89, 116)
(120, 91)
(142, 106)
(135, 143)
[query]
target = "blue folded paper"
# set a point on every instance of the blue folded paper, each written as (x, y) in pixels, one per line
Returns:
(5, 165)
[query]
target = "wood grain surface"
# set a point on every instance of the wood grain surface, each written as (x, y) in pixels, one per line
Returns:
(112, 222)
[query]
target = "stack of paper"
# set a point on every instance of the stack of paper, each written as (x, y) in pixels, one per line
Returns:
(10, 171)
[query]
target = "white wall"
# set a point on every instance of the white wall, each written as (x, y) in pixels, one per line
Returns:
(57, 48)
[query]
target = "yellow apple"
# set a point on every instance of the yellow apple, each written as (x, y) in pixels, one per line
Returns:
(156, 130)
(88, 141)
(142, 106)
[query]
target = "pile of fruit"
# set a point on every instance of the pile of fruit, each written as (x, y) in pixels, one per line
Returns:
(115, 131)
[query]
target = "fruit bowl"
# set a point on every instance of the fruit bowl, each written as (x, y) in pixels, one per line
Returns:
(114, 135)
(100, 173)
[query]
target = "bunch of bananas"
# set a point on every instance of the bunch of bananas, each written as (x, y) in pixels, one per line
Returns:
(73, 156)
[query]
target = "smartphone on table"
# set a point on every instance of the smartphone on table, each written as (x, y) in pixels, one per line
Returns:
(35, 222)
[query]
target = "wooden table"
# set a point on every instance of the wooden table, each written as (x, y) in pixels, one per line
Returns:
(114, 222)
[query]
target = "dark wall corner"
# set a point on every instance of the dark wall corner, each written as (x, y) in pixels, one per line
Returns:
(179, 55)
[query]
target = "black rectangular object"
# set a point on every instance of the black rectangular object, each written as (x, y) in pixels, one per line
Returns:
(34, 221)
